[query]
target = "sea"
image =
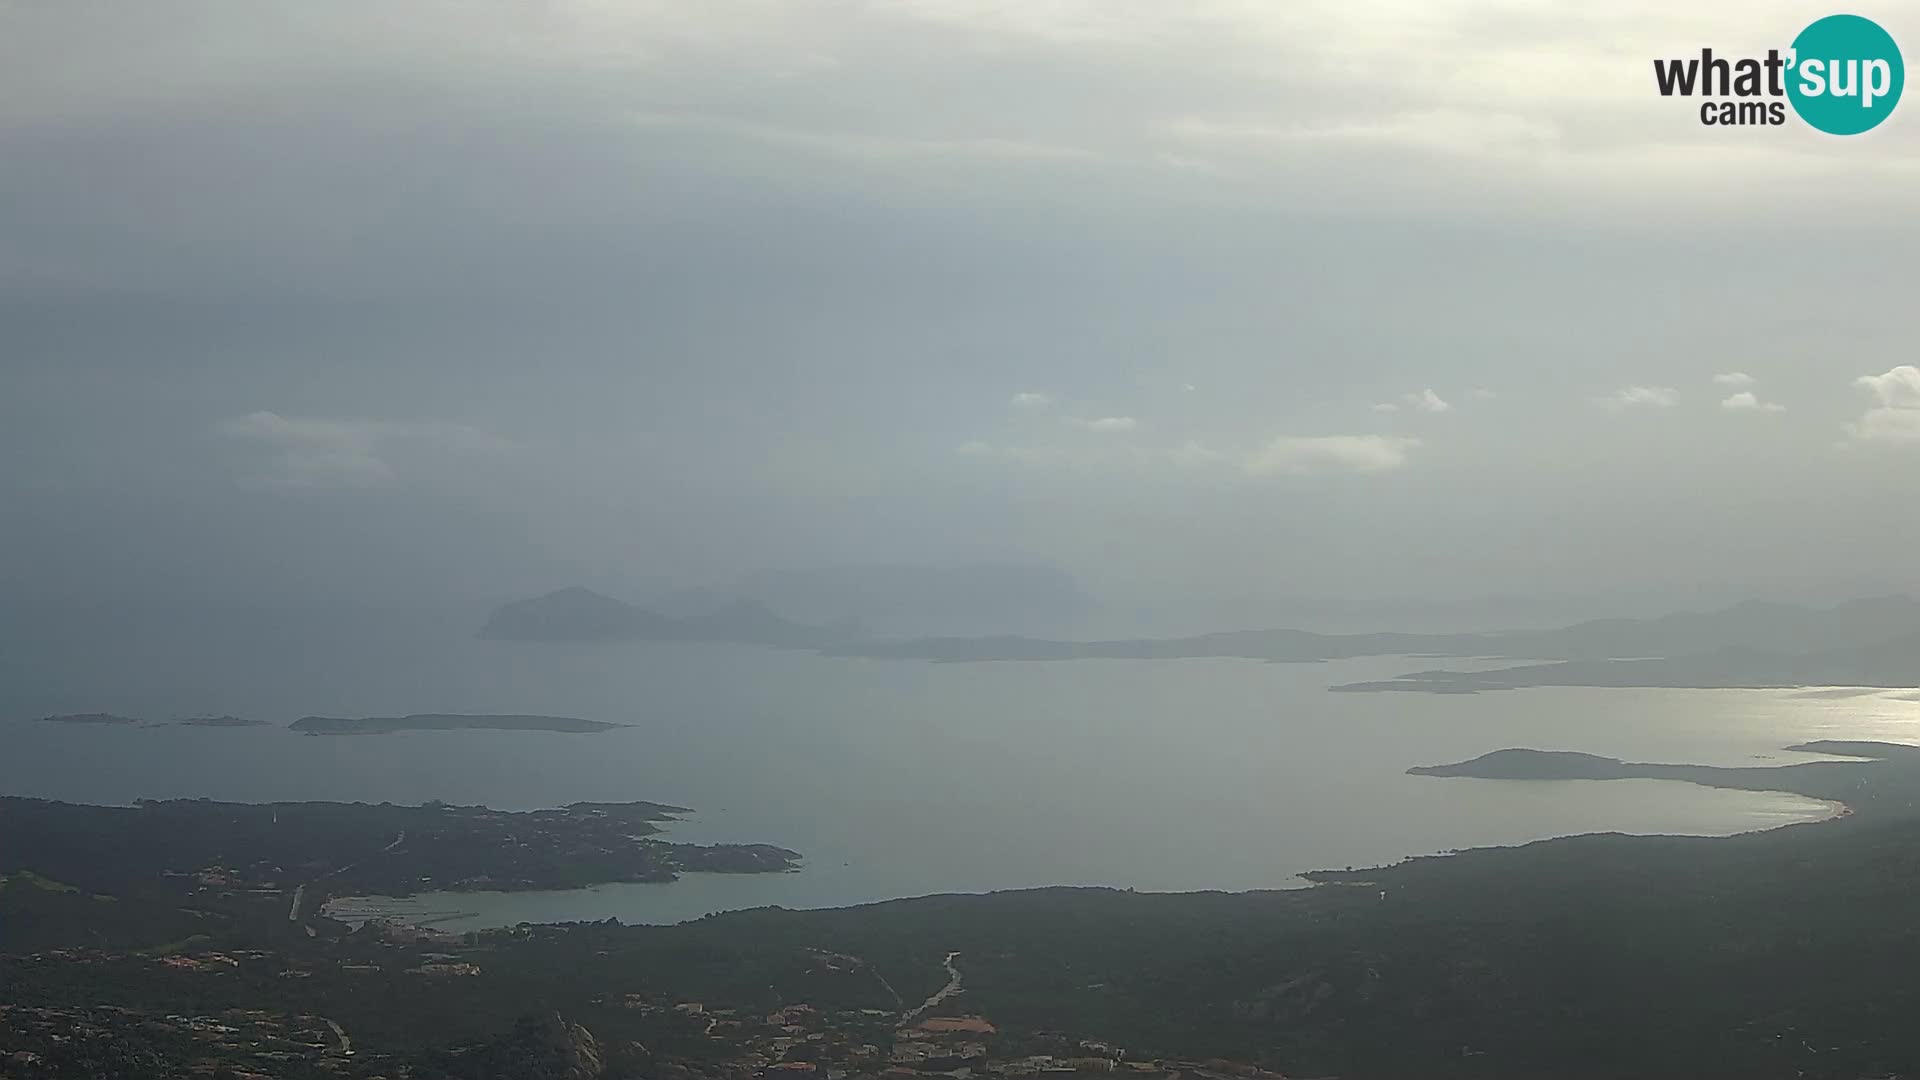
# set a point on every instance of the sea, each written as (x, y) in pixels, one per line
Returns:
(905, 778)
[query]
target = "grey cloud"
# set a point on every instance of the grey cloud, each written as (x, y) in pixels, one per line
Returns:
(1305, 455)
(303, 452)
(738, 288)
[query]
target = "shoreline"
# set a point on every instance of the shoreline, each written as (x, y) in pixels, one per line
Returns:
(1300, 882)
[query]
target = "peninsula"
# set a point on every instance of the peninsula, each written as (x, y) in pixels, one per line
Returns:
(1877, 780)
(174, 865)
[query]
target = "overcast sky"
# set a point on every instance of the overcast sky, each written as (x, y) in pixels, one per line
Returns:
(1224, 305)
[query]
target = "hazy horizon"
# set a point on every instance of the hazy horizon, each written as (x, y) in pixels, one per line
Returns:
(1241, 316)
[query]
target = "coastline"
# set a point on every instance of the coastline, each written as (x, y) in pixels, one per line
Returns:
(637, 907)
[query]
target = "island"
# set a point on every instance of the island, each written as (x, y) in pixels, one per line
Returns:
(1868, 642)
(1276, 646)
(1886, 665)
(1877, 779)
(1524, 764)
(381, 725)
(221, 722)
(108, 719)
(1871, 642)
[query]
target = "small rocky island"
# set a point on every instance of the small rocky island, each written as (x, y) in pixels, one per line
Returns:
(90, 718)
(220, 722)
(381, 725)
(1523, 764)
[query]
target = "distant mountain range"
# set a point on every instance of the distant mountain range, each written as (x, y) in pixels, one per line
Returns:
(980, 594)
(1872, 642)
(1860, 643)
(1754, 625)
(1777, 628)
(1298, 646)
(1894, 663)
(577, 614)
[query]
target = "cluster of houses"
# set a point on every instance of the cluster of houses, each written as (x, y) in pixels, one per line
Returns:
(799, 1042)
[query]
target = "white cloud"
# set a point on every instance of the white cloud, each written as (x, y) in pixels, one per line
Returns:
(312, 452)
(1425, 401)
(1897, 388)
(1745, 401)
(1109, 455)
(1303, 455)
(1900, 427)
(1110, 424)
(1290, 456)
(1631, 397)
(1028, 399)
(1896, 419)
(1733, 378)
(1481, 393)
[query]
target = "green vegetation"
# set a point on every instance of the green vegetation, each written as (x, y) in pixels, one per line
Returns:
(174, 947)
(1779, 954)
(29, 878)
(182, 867)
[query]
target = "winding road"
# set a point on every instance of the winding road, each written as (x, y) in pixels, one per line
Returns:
(346, 1044)
(945, 992)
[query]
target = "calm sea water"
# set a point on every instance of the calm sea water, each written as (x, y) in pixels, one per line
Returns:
(901, 779)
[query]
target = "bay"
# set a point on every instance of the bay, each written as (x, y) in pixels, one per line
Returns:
(903, 778)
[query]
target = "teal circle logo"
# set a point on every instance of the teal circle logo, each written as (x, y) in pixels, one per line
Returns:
(1846, 75)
